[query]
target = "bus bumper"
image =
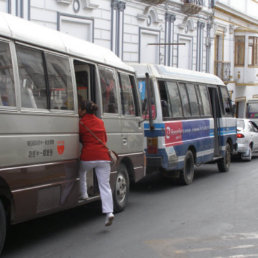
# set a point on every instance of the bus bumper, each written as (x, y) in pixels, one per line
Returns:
(153, 164)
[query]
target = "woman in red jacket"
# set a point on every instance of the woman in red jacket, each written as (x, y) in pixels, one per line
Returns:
(95, 155)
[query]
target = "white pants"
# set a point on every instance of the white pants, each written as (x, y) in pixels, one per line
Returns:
(102, 170)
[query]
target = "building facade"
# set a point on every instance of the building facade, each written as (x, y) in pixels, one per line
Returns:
(235, 52)
(220, 36)
(174, 33)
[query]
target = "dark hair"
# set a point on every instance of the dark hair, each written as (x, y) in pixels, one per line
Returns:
(90, 107)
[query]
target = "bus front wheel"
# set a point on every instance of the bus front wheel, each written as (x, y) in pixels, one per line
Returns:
(224, 163)
(187, 174)
(121, 190)
(2, 226)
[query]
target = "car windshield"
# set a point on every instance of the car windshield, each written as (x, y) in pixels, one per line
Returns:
(240, 124)
(255, 124)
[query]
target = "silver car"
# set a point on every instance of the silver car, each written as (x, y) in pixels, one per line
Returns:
(247, 138)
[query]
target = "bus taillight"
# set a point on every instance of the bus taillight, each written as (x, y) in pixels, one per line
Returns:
(152, 145)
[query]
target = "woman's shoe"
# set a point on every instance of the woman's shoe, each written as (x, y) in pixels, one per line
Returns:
(109, 219)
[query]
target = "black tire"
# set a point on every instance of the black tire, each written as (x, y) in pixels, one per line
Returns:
(2, 226)
(121, 190)
(224, 163)
(249, 156)
(187, 174)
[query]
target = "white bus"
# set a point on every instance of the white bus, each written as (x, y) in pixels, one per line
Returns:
(42, 74)
(189, 120)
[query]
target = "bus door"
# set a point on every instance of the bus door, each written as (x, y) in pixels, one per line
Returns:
(85, 76)
(214, 98)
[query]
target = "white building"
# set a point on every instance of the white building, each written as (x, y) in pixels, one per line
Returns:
(136, 30)
(189, 34)
(236, 49)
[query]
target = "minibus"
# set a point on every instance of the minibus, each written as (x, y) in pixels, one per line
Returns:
(43, 73)
(188, 120)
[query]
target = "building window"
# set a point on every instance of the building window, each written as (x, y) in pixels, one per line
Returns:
(185, 52)
(80, 27)
(149, 49)
(252, 51)
(239, 50)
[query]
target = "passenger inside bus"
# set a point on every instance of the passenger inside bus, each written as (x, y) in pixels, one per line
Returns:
(82, 85)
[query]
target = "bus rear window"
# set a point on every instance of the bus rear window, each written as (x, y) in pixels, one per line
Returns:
(143, 97)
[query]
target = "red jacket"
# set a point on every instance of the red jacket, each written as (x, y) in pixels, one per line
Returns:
(92, 149)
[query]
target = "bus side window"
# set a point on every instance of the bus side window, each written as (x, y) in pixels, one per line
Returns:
(193, 99)
(135, 95)
(60, 82)
(200, 104)
(32, 77)
(85, 81)
(174, 99)
(205, 100)
(127, 96)
(7, 92)
(108, 89)
(226, 101)
(164, 101)
(185, 100)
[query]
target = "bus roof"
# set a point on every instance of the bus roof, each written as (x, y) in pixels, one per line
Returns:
(167, 72)
(30, 32)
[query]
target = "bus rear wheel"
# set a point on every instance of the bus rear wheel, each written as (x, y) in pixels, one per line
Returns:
(224, 163)
(2, 226)
(121, 190)
(187, 174)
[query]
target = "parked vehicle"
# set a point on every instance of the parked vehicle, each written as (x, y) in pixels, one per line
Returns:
(188, 120)
(247, 138)
(247, 108)
(43, 73)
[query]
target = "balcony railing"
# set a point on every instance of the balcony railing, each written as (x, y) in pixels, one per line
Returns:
(222, 70)
(191, 7)
(153, 2)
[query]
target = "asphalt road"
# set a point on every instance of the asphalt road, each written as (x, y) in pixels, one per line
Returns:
(215, 216)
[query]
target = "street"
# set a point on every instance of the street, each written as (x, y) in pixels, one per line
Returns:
(215, 216)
